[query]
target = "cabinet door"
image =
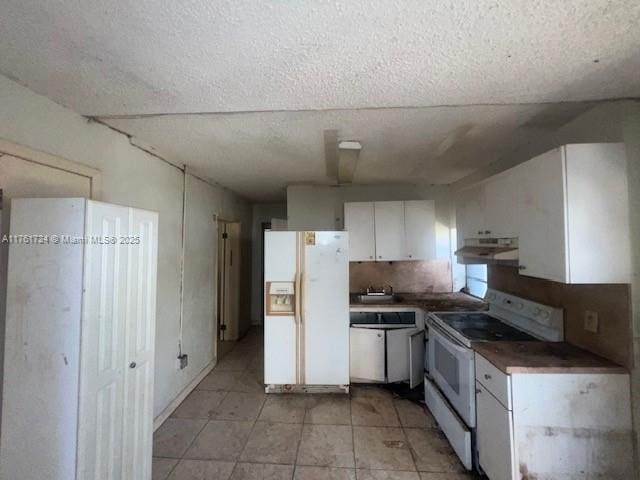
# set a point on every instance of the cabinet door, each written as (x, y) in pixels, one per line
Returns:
(416, 358)
(389, 226)
(420, 229)
(359, 222)
(398, 354)
(501, 218)
(541, 206)
(470, 209)
(140, 342)
(366, 355)
(494, 436)
(104, 309)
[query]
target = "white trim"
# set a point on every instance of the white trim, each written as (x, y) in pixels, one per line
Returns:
(175, 403)
(43, 158)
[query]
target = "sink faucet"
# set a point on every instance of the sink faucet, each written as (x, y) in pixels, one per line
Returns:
(371, 290)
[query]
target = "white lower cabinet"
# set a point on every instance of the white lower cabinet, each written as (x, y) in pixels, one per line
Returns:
(386, 355)
(559, 425)
(494, 436)
(79, 345)
(367, 355)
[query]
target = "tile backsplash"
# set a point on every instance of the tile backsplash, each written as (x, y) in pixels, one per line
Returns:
(610, 302)
(407, 277)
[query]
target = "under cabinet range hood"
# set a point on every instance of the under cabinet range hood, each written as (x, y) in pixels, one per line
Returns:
(503, 251)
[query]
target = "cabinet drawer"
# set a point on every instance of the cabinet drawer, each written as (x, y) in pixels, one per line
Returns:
(496, 382)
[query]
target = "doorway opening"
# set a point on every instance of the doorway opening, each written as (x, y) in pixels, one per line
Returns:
(227, 329)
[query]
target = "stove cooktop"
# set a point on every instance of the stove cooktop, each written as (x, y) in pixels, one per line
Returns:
(483, 327)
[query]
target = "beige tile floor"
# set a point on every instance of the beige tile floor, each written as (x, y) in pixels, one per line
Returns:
(228, 429)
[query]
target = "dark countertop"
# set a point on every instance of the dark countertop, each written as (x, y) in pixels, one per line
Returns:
(432, 302)
(543, 357)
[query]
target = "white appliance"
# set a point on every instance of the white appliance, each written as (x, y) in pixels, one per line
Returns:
(450, 392)
(80, 335)
(306, 323)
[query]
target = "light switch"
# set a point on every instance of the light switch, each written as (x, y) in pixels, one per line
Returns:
(591, 321)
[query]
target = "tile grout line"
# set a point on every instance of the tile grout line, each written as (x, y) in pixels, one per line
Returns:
(404, 434)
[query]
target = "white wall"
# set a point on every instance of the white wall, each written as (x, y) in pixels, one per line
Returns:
(322, 208)
(263, 212)
(132, 177)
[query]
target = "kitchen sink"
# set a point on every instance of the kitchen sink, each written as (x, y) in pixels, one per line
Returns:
(387, 298)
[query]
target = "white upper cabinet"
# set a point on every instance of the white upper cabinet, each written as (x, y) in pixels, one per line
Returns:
(419, 227)
(360, 223)
(575, 212)
(568, 208)
(391, 231)
(389, 220)
(542, 232)
(501, 219)
(470, 210)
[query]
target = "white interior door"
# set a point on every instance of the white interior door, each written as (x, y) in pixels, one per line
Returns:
(359, 222)
(398, 341)
(325, 299)
(101, 412)
(389, 223)
(367, 357)
(416, 358)
(140, 341)
(420, 229)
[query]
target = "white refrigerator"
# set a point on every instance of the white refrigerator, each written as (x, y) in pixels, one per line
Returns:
(306, 323)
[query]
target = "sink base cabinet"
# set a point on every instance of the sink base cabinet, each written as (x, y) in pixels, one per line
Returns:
(379, 355)
(559, 425)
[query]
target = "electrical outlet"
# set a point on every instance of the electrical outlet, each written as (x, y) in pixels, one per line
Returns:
(184, 360)
(591, 321)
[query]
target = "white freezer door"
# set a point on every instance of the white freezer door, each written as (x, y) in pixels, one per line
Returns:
(325, 311)
(280, 357)
(367, 355)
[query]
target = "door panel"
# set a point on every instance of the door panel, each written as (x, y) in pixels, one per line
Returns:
(325, 305)
(541, 205)
(420, 229)
(398, 354)
(470, 209)
(140, 341)
(452, 368)
(494, 436)
(452, 426)
(359, 222)
(367, 356)
(416, 358)
(502, 219)
(103, 343)
(389, 226)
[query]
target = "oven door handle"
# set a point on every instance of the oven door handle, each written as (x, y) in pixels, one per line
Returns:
(453, 342)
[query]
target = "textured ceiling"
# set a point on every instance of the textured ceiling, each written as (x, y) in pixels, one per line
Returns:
(259, 154)
(136, 57)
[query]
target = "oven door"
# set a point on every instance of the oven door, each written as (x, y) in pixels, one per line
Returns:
(452, 367)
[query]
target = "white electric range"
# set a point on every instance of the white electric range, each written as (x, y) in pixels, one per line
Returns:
(450, 383)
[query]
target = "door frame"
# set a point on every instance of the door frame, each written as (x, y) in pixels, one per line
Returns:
(222, 293)
(35, 156)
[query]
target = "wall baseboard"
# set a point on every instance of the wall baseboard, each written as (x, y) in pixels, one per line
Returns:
(166, 413)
